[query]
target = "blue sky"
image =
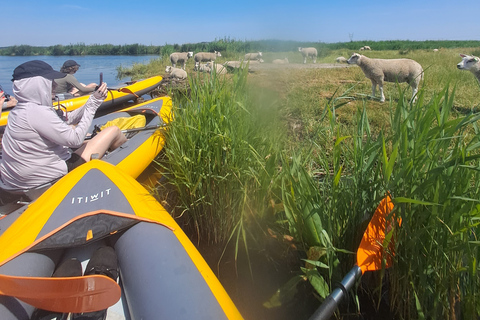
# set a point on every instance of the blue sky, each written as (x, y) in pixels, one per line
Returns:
(50, 22)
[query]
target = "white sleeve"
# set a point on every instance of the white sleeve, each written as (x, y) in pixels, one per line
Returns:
(49, 125)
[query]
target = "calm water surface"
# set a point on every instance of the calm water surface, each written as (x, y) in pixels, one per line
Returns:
(90, 67)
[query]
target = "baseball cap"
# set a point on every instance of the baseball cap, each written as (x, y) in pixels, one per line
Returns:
(70, 63)
(35, 68)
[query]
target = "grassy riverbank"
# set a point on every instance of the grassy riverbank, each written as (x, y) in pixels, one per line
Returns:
(301, 157)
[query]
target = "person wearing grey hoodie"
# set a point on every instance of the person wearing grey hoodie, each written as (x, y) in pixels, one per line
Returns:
(37, 140)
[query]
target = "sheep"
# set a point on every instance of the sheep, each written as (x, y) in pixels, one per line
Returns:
(232, 65)
(308, 52)
(176, 73)
(253, 56)
(390, 70)
(470, 63)
(341, 60)
(178, 57)
(280, 61)
(219, 69)
(205, 56)
(365, 48)
(435, 50)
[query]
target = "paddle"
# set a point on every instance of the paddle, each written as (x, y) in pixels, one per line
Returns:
(370, 255)
(59, 294)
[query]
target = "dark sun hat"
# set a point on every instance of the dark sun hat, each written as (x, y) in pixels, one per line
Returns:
(70, 63)
(36, 68)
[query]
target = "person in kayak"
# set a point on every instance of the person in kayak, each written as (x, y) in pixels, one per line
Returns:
(37, 139)
(70, 84)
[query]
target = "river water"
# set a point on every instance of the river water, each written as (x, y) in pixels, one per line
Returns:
(90, 67)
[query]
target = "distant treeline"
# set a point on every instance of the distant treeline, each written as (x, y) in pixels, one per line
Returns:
(228, 45)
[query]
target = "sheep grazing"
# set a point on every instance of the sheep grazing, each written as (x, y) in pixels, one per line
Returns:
(435, 50)
(176, 73)
(341, 60)
(390, 70)
(308, 52)
(205, 56)
(470, 63)
(365, 48)
(179, 57)
(253, 56)
(280, 61)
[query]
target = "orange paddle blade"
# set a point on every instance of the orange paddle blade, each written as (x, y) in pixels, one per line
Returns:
(376, 238)
(69, 294)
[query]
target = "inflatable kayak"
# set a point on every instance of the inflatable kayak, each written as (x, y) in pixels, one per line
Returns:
(116, 96)
(144, 143)
(161, 273)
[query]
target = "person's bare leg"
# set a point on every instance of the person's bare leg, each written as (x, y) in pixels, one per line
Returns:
(109, 138)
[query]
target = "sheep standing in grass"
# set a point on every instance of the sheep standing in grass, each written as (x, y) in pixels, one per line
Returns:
(390, 70)
(253, 56)
(179, 57)
(205, 56)
(280, 61)
(470, 63)
(176, 73)
(308, 52)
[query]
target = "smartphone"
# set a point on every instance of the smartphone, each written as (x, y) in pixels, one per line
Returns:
(5, 95)
(101, 79)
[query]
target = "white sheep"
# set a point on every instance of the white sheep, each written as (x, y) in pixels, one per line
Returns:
(390, 70)
(219, 69)
(205, 56)
(470, 63)
(341, 60)
(176, 73)
(178, 57)
(308, 52)
(435, 50)
(253, 56)
(232, 65)
(365, 48)
(280, 61)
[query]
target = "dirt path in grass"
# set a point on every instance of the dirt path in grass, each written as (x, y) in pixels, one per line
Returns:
(297, 66)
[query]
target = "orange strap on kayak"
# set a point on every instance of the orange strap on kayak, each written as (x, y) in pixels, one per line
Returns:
(63, 294)
(127, 90)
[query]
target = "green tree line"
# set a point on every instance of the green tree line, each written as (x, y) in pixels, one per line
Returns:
(229, 45)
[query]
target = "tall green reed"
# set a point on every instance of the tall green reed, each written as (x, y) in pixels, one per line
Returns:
(220, 157)
(428, 162)
(436, 188)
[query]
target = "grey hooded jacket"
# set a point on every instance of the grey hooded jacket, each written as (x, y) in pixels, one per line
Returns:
(37, 142)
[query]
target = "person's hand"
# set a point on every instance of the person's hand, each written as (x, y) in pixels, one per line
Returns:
(12, 102)
(2, 100)
(101, 92)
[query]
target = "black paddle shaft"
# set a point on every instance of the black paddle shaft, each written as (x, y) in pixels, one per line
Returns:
(328, 307)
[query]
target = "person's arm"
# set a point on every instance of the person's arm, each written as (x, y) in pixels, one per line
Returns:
(47, 123)
(74, 82)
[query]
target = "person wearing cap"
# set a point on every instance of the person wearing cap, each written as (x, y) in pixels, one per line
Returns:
(70, 84)
(37, 140)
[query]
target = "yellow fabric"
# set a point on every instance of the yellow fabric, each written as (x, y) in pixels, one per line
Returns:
(125, 123)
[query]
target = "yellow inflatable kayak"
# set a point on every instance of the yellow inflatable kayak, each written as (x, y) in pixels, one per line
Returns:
(116, 97)
(161, 273)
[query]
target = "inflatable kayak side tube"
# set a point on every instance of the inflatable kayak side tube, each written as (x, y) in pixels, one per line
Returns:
(160, 281)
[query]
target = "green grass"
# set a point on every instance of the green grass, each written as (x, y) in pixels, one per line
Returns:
(308, 154)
